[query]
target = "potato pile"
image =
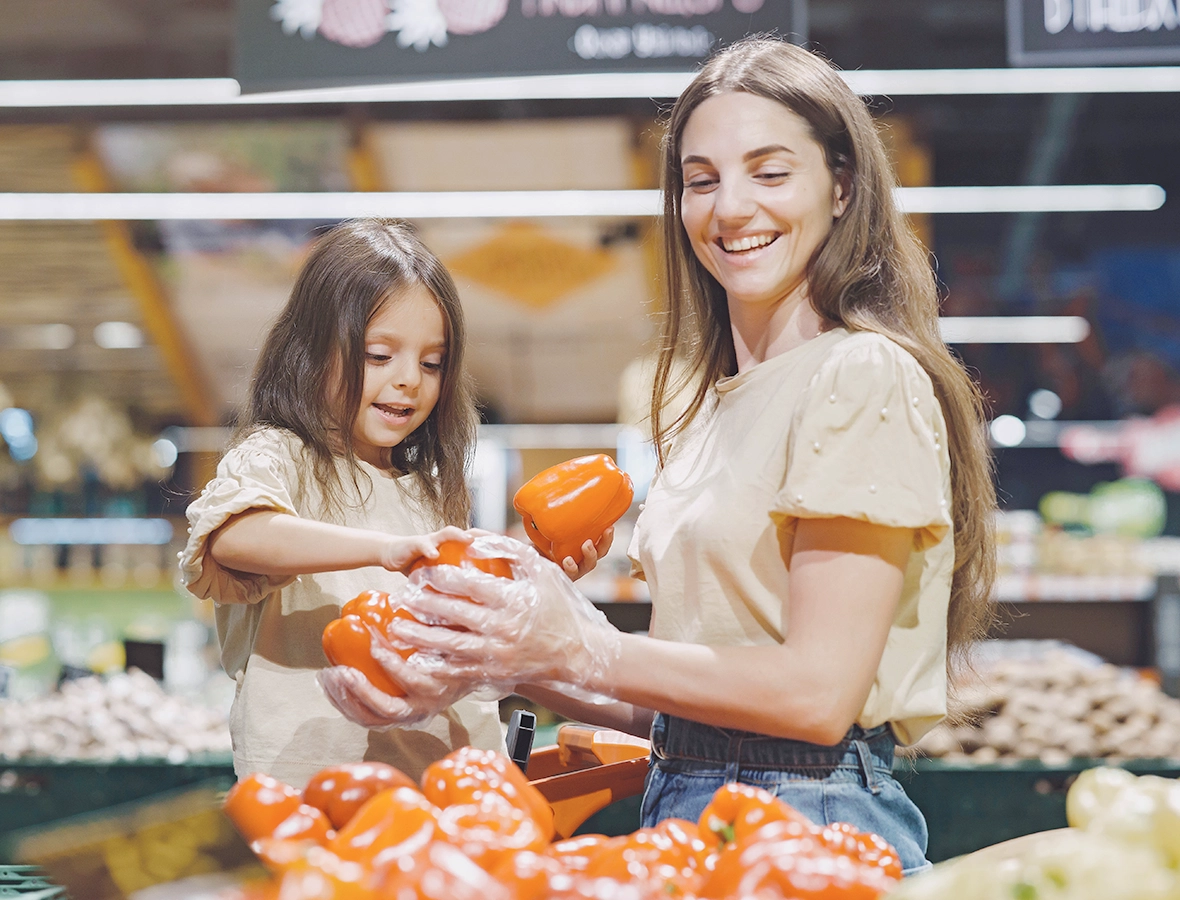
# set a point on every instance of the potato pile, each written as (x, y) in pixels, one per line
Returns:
(126, 716)
(1057, 707)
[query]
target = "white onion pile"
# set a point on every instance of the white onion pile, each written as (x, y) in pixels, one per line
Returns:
(126, 716)
(1058, 707)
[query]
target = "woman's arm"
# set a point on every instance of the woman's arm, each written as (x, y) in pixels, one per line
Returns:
(845, 584)
(626, 717)
(267, 542)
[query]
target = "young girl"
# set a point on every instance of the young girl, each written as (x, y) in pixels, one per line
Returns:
(348, 467)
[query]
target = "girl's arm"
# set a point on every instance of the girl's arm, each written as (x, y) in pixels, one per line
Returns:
(626, 717)
(266, 542)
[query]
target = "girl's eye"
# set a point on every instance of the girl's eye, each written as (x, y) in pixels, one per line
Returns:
(433, 366)
(377, 358)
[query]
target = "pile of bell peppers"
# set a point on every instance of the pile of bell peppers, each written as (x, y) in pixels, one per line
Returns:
(347, 641)
(476, 829)
(571, 503)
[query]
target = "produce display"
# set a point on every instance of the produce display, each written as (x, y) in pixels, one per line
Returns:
(123, 716)
(1124, 844)
(1057, 707)
(477, 828)
(573, 502)
(347, 641)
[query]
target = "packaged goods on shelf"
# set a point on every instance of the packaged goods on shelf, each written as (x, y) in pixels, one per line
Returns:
(1055, 707)
(125, 716)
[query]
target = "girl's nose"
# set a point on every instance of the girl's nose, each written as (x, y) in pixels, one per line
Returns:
(407, 377)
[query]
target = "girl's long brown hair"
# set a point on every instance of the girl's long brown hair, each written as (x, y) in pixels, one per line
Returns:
(311, 370)
(871, 274)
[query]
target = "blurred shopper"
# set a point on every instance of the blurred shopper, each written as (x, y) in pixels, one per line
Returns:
(348, 467)
(818, 539)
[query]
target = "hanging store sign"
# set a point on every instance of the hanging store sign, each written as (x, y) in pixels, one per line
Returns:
(1093, 32)
(291, 44)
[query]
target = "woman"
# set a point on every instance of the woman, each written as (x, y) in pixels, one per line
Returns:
(817, 541)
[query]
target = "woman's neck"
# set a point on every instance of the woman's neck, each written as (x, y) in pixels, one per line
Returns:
(762, 332)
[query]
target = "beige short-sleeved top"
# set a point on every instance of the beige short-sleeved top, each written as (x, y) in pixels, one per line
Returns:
(848, 425)
(270, 628)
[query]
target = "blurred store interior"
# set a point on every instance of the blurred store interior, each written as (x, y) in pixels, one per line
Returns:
(127, 341)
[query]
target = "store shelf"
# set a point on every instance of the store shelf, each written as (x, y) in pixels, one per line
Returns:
(1030, 588)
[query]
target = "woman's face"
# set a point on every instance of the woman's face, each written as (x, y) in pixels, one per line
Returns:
(405, 345)
(758, 197)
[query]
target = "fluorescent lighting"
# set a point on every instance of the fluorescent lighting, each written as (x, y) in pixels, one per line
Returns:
(606, 85)
(56, 336)
(91, 531)
(1032, 198)
(118, 336)
(1096, 80)
(327, 205)
(1007, 431)
(527, 204)
(1014, 329)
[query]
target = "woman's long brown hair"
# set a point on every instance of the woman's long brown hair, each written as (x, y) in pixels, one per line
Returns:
(311, 370)
(871, 274)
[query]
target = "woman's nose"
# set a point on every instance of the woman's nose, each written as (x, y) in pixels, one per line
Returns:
(732, 201)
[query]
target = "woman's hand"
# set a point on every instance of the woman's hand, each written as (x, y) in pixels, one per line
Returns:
(537, 628)
(591, 554)
(402, 552)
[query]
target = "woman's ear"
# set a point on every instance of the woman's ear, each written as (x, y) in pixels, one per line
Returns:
(841, 193)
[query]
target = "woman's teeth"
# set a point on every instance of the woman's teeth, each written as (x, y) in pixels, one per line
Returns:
(747, 243)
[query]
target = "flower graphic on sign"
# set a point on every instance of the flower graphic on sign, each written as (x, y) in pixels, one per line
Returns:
(362, 23)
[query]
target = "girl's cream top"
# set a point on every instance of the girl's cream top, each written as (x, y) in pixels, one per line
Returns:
(846, 424)
(270, 627)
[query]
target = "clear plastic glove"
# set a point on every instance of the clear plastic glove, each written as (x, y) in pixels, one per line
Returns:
(496, 632)
(430, 688)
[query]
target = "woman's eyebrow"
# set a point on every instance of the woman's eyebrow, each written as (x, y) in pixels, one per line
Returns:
(766, 151)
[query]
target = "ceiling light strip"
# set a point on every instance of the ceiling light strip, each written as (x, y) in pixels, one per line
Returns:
(524, 204)
(19, 94)
(1014, 329)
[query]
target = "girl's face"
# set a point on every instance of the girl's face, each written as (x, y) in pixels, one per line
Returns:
(758, 197)
(405, 344)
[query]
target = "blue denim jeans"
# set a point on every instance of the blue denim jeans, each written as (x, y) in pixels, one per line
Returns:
(850, 782)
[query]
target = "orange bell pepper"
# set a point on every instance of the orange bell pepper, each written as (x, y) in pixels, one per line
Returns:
(456, 553)
(440, 872)
(341, 790)
(663, 858)
(576, 853)
(347, 641)
(391, 825)
(739, 809)
(258, 804)
(468, 774)
(321, 875)
(529, 875)
(571, 503)
(490, 830)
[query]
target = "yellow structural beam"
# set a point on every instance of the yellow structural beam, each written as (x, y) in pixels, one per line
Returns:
(364, 168)
(164, 331)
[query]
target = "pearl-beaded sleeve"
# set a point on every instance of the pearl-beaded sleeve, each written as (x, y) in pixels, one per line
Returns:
(868, 443)
(256, 474)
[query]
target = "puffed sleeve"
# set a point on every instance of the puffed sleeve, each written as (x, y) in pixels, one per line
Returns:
(868, 442)
(254, 475)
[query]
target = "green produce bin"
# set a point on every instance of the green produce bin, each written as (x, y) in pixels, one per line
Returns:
(35, 792)
(971, 806)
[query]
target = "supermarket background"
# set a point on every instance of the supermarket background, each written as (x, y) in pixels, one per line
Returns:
(127, 338)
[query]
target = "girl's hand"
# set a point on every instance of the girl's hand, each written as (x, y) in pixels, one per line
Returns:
(428, 692)
(402, 552)
(591, 554)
